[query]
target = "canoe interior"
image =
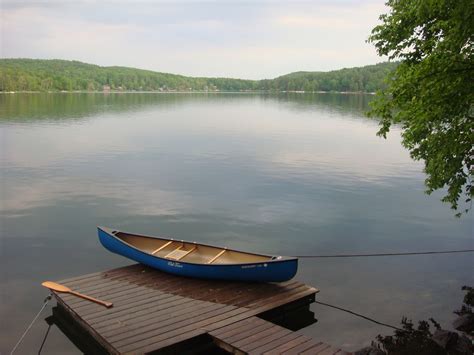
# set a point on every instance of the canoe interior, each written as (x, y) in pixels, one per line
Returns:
(189, 252)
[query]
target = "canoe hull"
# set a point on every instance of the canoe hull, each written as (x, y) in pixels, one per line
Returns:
(272, 271)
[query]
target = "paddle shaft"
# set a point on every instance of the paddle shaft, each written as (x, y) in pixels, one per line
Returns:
(103, 303)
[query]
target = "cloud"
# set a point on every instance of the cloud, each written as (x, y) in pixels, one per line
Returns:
(200, 38)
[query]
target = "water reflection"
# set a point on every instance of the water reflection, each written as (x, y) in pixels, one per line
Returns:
(62, 106)
(283, 174)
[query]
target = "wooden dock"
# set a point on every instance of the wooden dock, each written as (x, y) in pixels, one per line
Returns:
(155, 312)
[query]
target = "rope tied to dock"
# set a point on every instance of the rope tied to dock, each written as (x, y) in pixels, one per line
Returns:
(358, 315)
(385, 254)
(45, 303)
(44, 338)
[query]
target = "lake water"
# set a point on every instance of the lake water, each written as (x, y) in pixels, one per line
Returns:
(281, 174)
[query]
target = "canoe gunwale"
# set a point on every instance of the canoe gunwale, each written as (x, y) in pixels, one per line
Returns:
(273, 258)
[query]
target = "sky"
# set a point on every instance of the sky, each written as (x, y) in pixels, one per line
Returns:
(242, 39)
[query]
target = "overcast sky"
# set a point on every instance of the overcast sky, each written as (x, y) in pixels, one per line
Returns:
(244, 39)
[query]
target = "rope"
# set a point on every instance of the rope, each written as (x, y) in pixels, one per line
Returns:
(46, 300)
(385, 254)
(358, 315)
(44, 339)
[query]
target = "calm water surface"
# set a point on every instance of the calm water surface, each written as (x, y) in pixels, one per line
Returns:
(281, 174)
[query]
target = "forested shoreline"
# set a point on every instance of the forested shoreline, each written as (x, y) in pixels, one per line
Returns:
(61, 75)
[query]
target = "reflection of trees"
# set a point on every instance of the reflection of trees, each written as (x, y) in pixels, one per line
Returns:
(56, 106)
(422, 340)
(344, 103)
(76, 105)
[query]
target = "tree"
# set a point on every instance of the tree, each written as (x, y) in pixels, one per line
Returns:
(431, 93)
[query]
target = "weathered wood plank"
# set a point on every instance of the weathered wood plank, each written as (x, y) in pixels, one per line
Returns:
(235, 328)
(144, 304)
(247, 333)
(162, 323)
(165, 316)
(275, 343)
(266, 339)
(257, 339)
(244, 292)
(120, 300)
(155, 310)
(137, 314)
(123, 306)
(118, 297)
(124, 281)
(305, 346)
(148, 338)
(282, 349)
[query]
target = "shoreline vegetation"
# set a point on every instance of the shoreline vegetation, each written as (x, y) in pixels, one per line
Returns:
(187, 92)
(53, 76)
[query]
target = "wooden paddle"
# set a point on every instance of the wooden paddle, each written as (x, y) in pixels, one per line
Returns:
(61, 288)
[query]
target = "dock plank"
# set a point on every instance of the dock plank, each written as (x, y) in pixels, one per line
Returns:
(143, 314)
(166, 324)
(257, 336)
(311, 344)
(275, 343)
(155, 310)
(258, 339)
(283, 348)
(264, 340)
(233, 338)
(177, 329)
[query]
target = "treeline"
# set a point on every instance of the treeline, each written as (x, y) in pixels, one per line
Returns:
(62, 75)
(365, 79)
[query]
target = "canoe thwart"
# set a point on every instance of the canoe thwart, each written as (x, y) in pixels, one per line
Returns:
(162, 247)
(179, 254)
(170, 254)
(217, 256)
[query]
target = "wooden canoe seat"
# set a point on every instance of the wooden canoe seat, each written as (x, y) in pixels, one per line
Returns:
(179, 253)
(217, 256)
(162, 247)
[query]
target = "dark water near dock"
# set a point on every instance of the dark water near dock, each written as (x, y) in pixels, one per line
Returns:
(281, 174)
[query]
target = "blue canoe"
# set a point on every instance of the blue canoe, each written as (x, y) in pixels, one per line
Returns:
(198, 260)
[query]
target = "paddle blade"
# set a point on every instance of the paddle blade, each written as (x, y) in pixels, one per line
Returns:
(56, 287)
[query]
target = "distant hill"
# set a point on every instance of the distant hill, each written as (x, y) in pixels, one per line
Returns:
(366, 79)
(59, 75)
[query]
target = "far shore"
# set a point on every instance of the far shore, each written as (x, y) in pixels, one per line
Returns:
(189, 92)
